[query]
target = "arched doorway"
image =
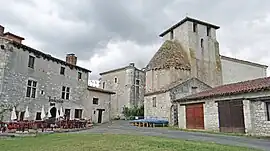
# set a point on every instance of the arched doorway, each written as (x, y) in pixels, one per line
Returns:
(53, 112)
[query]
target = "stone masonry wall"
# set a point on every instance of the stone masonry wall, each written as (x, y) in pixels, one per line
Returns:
(260, 125)
(181, 116)
(163, 105)
(49, 83)
(211, 120)
(104, 102)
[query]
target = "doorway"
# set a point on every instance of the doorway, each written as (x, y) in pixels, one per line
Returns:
(100, 115)
(53, 112)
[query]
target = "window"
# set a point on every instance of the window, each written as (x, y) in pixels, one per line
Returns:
(201, 43)
(31, 62)
(137, 82)
(268, 110)
(62, 70)
(79, 75)
(31, 89)
(78, 113)
(67, 114)
(65, 93)
(171, 35)
(194, 27)
(103, 85)
(95, 101)
(154, 102)
(38, 116)
(115, 80)
(208, 30)
(42, 92)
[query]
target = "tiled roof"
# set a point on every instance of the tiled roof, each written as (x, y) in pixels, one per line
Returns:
(170, 54)
(47, 56)
(230, 89)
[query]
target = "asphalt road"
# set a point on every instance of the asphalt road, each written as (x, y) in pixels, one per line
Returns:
(123, 127)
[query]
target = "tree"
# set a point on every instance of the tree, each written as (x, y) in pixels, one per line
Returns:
(134, 111)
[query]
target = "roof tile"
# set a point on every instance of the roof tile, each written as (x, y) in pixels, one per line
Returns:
(234, 88)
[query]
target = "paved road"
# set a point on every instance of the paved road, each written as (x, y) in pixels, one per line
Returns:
(122, 127)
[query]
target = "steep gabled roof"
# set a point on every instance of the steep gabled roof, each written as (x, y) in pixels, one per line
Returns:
(170, 54)
(231, 89)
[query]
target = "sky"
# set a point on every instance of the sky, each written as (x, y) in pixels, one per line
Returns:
(106, 34)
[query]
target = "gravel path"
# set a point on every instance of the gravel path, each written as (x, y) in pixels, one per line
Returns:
(123, 127)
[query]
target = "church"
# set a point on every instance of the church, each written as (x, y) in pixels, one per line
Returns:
(189, 63)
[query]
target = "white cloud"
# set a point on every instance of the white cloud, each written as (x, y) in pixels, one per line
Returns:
(107, 35)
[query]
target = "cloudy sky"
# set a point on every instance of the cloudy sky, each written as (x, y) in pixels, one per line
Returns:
(107, 34)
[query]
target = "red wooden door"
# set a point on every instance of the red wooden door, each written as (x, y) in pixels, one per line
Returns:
(194, 116)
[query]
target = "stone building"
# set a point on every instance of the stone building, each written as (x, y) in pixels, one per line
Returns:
(128, 83)
(29, 77)
(189, 62)
(242, 107)
(98, 104)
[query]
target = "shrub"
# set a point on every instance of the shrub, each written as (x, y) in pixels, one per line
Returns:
(130, 113)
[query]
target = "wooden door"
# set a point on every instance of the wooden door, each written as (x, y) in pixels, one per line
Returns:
(194, 116)
(231, 116)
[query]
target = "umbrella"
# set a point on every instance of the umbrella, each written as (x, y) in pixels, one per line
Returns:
(61, 112)
(13, 114)
(49, 113)
(42, 113)
(26, 114)
(57, 114)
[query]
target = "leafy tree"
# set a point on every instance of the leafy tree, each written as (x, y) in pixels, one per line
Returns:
(134, 111)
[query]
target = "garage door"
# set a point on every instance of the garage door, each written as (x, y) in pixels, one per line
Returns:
(194, 116)
(231, 116)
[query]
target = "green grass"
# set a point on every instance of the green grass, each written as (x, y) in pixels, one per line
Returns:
(107, 142)
(219, 133)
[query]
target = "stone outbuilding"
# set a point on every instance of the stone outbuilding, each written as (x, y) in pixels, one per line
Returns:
(98, 104)
(242, 107)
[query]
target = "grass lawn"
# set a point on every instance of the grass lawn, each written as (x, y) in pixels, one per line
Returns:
(107, 142)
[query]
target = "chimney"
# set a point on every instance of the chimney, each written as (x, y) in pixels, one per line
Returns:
(13, 37)
(2, 29)
(131, 64)
(71, 59)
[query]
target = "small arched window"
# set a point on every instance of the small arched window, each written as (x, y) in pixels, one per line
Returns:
(201, 43)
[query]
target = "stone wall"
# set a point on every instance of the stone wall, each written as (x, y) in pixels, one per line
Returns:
(181, 116)
(163, 106)
(49, 83)
(235, 71)
(260, 124)
(211, 119)
(104, 102)
(157, 80)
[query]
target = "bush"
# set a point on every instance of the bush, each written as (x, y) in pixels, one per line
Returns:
(130, 113)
